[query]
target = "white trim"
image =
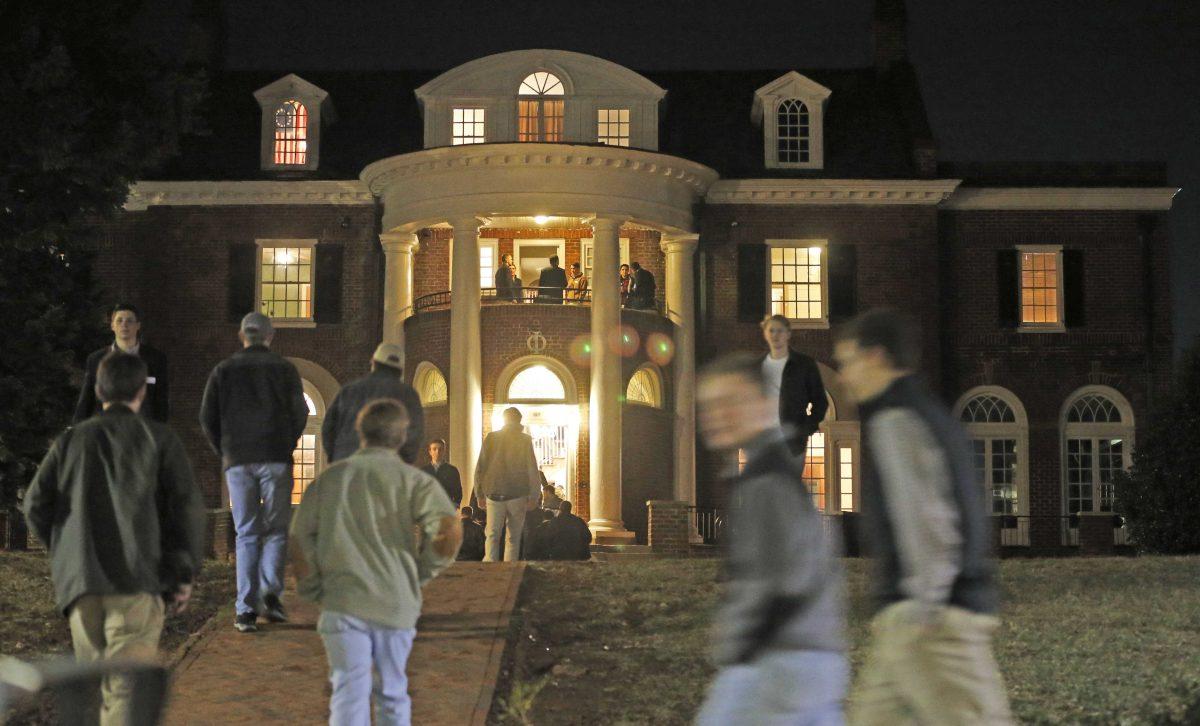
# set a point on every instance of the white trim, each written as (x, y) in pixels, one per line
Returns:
(1123, 430)
(822, 322)
(557, 367)
(270, 98)
(424, 370)
(1053, 198)
(1061, 325)
(1018, 430)
(830, 191)
(657, 387)
(146, 194)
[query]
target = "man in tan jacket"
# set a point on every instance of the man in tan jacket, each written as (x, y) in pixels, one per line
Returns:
(507, 484)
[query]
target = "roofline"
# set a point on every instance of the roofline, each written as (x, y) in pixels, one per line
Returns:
(1056, 198)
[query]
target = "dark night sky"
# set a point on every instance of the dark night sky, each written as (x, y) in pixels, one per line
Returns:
(1004, 80)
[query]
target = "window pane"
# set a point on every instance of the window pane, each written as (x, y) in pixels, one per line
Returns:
(1039, 287)
(846, 477)
(796, 282)
(287, 282)
(291, 134)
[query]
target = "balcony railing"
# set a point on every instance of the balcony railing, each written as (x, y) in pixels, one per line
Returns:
(516, 296)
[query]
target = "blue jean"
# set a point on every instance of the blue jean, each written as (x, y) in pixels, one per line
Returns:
(353, 646)
(797, 688)
(261, 495)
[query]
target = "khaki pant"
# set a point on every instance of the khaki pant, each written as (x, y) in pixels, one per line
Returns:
(112, 627)
(930, 674)
(508, 516)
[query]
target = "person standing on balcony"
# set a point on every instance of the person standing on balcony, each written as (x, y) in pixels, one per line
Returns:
(795, 381)
(386, 380)
(626, 281)
(577, 285)
(641, 289)
(926, 524)
(779, 633)
(445, 472)
(508, 285)
(126, 324)
(507, 484)
(552, 282)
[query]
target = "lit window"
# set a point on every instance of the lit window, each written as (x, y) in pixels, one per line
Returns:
(468, 126)
(814, 469)
(797, 283)
(291, 134)
(1040, 285)
(286, 282)
(540, 118)
(645, 388)
(487, 266)
(792, 139)
(612, 126)
(430, 385)
(846, 477)
(536, 383)
(306, 457)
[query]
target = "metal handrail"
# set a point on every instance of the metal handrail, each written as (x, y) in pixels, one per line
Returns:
(525, 294)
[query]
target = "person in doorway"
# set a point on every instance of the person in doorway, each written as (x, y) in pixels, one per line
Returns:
(642, 288)
(115, 503)
(550, 498)
(626, 279)
(508, 287)
(253, 412)
(506, 485)
(126, 324)
(927, 526)
(386, 380)
(473, 537)
(552, 282)
(577, 285)
(794, 380)
(569, 536)
(356, 553)
(779, 632)
(445, 472)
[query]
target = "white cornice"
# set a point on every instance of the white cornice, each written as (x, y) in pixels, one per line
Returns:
(1051, 198)
(144, 195)
(831, 191)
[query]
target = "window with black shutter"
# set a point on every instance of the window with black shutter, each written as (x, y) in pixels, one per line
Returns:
(243, 259)
(328, 274)
(1041, 283)
(1073, 298)
(843, 281)
(1008, 288)
(752, 282)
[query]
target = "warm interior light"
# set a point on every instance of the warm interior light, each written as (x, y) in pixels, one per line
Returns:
(541, 219)
(815, 252)
(285, 257)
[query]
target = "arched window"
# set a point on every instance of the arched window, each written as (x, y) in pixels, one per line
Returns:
(536, 383)
(645, 387)
(1097, 443)
(540, 108)
(999, 433)
(792, 138)
(291, 134)
(307, 457)
(430, 385)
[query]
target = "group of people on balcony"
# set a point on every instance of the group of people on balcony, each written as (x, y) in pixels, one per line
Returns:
(556, 285)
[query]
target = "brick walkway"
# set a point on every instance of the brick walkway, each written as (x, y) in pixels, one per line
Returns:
(278, 675)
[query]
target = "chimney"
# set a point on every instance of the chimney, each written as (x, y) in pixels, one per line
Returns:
(889, 26)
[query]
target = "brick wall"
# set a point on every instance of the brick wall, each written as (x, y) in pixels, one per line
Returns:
(668, 527)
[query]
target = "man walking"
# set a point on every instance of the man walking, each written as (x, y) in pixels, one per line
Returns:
(445, 472)
(926, 525)
(356, 553)
(551, 283)
(126, 324)
(115, 503)
(779, 633)
(507, 484)
(794, 380)
(386, 380)
(253, 412)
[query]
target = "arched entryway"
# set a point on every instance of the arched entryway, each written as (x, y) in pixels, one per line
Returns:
(544, 391)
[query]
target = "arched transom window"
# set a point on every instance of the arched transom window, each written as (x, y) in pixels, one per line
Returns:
(536, 383)
(792, 140)
(291, 133)
(430, 385)
(645, 387)
(540, 108)
(998, 434)
(1097, 442)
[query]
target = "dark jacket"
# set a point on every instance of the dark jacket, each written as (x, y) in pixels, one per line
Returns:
(337, 430)
(569, 538)
(157, 404)
(115, 503)
(641, 291)
(507, 467)
(921, 490)
(784, 589)
(253, 409)
(473, 541)
(551, 283)
(507, 284)
(447, 476)
(801, 386)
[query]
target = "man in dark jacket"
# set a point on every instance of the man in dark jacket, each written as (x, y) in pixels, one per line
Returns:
(473, 537)
(641, 289)
(115, 503)
(507, 485)
(552, 282)
(779, 633)
(508, 285)
(442, 470)
(794, 379)
(569, 536)
(926, 523)
(126, 324)
(386, 380)
(253, 412)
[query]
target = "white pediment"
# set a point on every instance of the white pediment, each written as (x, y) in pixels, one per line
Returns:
(789, 85)
(290, 85)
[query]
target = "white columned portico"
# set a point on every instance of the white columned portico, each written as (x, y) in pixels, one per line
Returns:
(465, 399)
(604, 405)
(681, 309)
(398, 249)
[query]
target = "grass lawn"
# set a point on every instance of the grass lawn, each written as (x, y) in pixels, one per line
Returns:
(1083, 640)
(31, 627)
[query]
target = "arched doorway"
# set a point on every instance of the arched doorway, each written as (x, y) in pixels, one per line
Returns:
(544, 391)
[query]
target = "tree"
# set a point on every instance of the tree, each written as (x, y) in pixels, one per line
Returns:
(1160, 494)
(86, 110)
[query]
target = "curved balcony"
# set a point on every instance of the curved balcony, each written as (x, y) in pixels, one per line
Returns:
(524, 296)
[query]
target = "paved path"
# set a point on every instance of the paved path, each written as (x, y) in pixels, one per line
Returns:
(278, 675)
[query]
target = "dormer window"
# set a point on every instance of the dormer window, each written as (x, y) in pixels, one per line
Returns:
(539, 113)
(291, 134)
(791, 110)
(292, 111)
(792, 132)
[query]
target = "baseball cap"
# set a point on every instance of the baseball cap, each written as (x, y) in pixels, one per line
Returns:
(256, 323)
(389, 354)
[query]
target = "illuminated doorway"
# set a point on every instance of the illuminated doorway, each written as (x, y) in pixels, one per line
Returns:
(543, 391)
(531, 256)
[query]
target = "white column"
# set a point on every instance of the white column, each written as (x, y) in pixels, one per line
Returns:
(681, 309)
(604, 406)
(398, 249)
(464, 394)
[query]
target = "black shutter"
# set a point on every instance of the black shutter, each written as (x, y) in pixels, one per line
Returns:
(1072, 263)
(843, 281)
(752, 282)
(1008, 287)
(243, 261)
(327, 308)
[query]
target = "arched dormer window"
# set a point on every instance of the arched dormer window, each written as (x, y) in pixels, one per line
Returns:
(293, 112)
(430, 385)
(291, 134)
(793, 132)
(645, 388)
(540, 108)
(791, 110)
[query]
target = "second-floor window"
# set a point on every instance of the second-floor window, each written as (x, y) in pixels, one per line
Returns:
(1041, 287)
(540, 108)
(286, 282)
(797, 281)
(291, 134)
(792, 139)
(468, 126)
(612, 126)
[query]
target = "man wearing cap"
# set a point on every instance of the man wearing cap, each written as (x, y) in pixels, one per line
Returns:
(386, 380)
(507, 484)
(253, 412)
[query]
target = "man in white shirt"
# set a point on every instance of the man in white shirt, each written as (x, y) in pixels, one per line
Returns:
(794, 379)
